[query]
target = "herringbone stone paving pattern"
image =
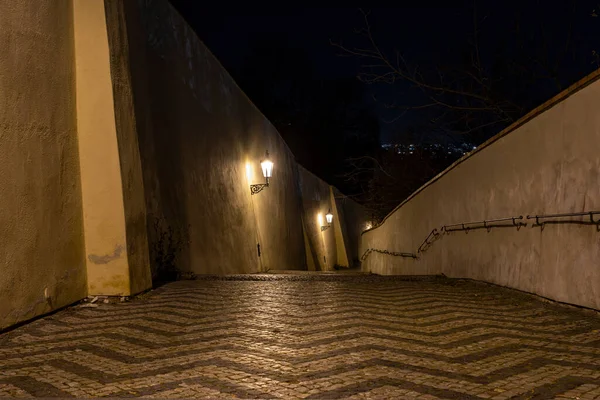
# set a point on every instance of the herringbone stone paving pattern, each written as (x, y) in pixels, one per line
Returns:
(310, 337)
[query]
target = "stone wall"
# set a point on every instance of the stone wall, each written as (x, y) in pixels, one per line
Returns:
(546, 163)
(42, 259)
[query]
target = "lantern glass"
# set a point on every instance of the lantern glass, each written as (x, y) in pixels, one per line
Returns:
(329, 217)
(267, 168)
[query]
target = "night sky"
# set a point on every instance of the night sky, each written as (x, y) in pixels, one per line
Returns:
(426, 36)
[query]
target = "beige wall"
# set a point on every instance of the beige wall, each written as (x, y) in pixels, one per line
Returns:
(543, 165)
(132, 183)
(41, 227)
(342, 254)
(201, 142)
(353, 219)
(112, 119)
(338, 244)
(316, 201)
(114, 215)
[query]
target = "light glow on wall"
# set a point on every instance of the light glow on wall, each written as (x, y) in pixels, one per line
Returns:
(249, 172)
(320, 219)
(368, 226)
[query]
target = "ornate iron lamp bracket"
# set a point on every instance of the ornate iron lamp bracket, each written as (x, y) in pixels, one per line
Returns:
(257, 188)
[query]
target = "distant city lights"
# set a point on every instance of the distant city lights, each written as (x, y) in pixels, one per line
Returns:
(451, 149)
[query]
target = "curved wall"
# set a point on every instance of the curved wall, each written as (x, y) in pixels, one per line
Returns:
(546, 163)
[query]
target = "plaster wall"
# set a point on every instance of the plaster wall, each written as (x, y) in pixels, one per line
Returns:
(339, 227)
(201, 142)
(353, 219)
(101, 181)
(118, 124)
(41, 228)
(128, 147)
(316, 200)
(546, 163)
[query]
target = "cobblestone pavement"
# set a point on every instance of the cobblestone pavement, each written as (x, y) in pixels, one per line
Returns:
(326, 337)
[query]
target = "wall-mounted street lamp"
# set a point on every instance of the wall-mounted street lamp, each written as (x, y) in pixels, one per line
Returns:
(267, 170)
(329, 219)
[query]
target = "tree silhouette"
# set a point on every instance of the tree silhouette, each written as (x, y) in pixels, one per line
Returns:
(492, 80)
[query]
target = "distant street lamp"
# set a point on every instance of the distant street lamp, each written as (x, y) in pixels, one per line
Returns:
(267, 169)
(329, 219)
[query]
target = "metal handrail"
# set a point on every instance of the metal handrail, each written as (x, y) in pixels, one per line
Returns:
(485, 224)
(577, 214)
(426, 242)
(391, 253)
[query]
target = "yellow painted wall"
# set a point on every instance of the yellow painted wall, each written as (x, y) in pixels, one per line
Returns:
(106, 185)
(41, 228)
